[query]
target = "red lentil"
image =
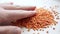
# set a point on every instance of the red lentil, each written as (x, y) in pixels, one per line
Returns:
(41, 19)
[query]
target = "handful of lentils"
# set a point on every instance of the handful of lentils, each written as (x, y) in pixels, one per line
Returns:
(41, 19)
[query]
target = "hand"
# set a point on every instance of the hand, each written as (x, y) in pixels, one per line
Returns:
(9, 12)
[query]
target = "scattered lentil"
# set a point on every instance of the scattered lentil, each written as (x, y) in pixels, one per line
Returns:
(53, 28)
(28, 30)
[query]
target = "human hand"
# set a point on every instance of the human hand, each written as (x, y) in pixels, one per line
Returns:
(9, 13)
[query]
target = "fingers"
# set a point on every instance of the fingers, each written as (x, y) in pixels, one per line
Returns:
(11, 7)
(10, 30)
(18, 14)
(21, 8)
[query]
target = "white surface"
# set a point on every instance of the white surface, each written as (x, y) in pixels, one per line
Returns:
(39, 3)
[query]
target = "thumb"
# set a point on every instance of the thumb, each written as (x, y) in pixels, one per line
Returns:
(13, 15)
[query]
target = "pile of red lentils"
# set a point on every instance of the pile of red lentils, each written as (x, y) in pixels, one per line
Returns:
(41, 19)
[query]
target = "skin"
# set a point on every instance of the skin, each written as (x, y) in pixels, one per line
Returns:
(9, 13)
